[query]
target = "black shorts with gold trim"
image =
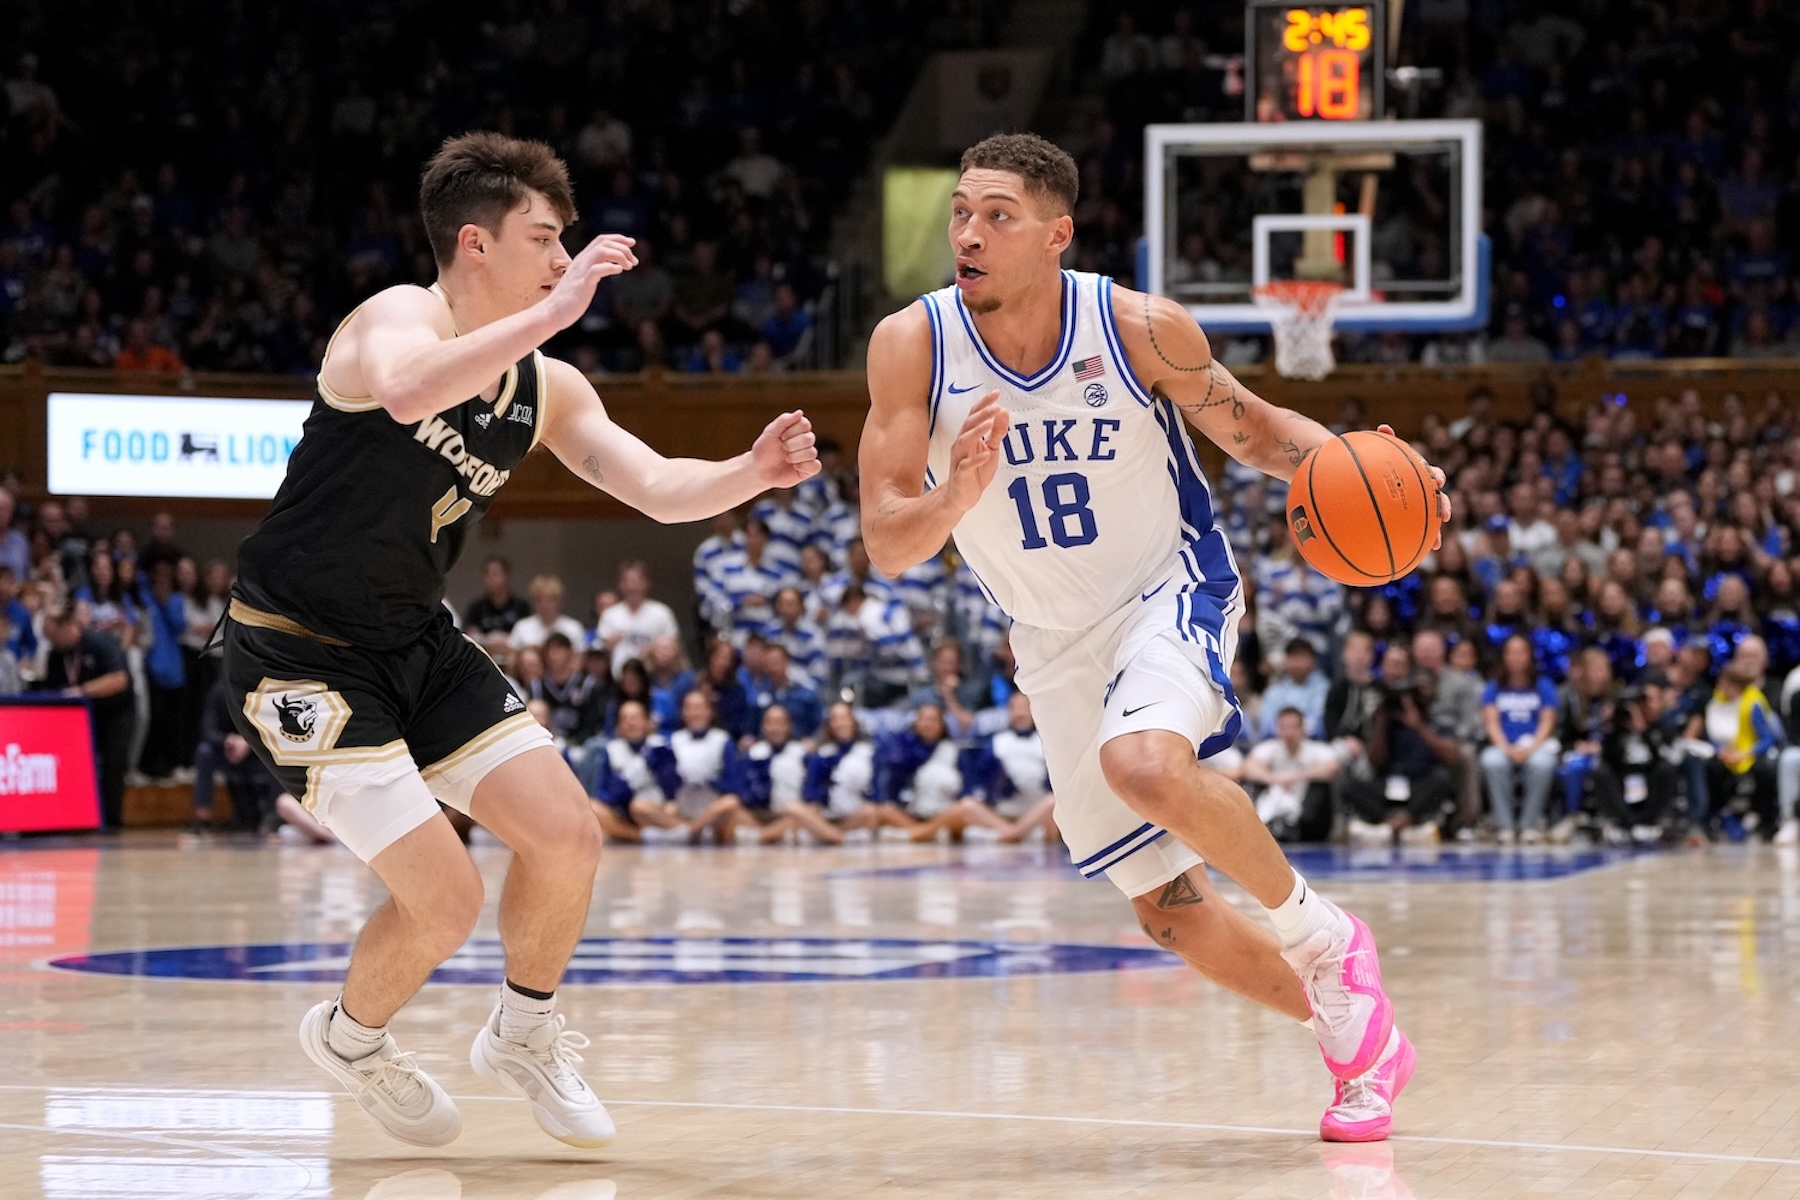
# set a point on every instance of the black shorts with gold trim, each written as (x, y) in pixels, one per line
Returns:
(323, 714)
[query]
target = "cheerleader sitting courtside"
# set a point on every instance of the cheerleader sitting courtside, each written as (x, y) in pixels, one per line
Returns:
(630, 776)
(840, 779)
(774, 771)
(922, 769)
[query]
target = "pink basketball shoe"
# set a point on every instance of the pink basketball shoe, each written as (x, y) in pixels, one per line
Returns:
(1352, 1016)
(1362, 1110)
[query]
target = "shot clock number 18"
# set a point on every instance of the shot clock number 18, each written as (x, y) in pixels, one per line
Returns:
(1316, 62)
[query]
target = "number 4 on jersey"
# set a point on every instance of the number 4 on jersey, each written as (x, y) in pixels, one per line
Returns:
(1066, 497)
(449, 509)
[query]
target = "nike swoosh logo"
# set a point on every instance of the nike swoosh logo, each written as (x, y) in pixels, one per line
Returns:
(956, 391)
(1159, 587)
(1140, 708)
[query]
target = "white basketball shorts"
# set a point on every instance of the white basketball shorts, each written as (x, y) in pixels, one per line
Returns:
(1160, 662)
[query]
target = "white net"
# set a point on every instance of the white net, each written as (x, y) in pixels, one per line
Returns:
(1300, 314)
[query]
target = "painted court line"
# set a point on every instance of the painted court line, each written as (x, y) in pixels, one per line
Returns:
(1197, 1126)
(1119, 1122)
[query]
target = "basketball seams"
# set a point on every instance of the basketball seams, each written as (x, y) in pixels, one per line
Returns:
(1312, 501)
(1386, 540)
(1425, 490)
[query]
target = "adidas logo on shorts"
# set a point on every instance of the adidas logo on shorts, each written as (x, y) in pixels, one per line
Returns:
(512, 704)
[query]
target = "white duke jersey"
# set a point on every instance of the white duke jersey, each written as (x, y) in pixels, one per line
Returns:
(1099, 496)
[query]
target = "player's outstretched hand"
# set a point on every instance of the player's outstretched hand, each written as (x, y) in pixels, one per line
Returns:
(975, 455)
(607, 255)
(785, 452)
(1437, 477)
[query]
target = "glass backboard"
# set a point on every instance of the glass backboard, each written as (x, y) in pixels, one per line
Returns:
(1389, 210)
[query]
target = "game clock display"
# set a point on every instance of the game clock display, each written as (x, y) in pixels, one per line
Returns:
(1316, 62)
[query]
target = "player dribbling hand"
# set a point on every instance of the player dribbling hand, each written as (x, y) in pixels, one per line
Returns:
(1438, 478)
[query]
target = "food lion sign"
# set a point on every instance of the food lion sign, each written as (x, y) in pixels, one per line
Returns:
(164, 446)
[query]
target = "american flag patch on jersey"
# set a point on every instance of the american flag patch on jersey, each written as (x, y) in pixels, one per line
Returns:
(1088, 368)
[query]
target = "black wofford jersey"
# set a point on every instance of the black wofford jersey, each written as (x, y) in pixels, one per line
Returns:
(373, 513)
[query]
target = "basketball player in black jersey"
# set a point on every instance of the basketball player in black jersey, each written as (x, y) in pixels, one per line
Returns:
(351, 681)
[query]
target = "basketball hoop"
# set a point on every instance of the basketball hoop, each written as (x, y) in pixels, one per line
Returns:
(1300, 313)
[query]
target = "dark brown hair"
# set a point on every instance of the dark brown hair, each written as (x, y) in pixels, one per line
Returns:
(1048, 171)
(478, 178)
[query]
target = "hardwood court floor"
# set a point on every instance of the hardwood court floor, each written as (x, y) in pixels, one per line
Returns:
(1587, 1025)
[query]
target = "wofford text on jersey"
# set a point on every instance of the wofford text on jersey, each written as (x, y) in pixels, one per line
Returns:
(484, 478)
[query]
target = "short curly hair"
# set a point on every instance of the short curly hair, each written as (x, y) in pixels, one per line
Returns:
(1048, 171)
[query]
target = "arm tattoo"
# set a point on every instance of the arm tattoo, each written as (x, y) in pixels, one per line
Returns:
(1294, 453)
(1166, 937)
(1221, 388)
(1150, 324)
(591, 465)
(1179, 893)
(1240, 438)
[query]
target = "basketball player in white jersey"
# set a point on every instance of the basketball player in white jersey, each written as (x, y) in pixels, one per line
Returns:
(1039, 415)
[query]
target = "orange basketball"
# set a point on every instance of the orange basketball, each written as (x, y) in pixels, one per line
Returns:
(1363, 509)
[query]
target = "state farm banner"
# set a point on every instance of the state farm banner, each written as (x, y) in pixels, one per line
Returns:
(46, 767)
(211, 447)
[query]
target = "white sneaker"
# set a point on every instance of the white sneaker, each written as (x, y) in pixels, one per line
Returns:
(656, 835)
(542, 1069)
(1647, 835)
(403, 1099)
(1508, 836)
(893, 833)
(1365, 833)
(977, 835)
(1789, 833)
(746, 835)
(1563, 832)
(1531, 835)
(858, 837)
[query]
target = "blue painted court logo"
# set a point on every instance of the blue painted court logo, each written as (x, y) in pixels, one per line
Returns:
(624, 961)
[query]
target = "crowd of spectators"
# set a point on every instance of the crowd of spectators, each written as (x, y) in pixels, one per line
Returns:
(122, 623)
(1605, 647)
(213, 186)
(1641, 165)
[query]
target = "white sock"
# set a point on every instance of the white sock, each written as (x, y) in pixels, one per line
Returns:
(348, 1038)
(1301, 915)
(521, 1014)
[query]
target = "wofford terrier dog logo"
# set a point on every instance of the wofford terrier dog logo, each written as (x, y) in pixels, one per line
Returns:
(298, 718)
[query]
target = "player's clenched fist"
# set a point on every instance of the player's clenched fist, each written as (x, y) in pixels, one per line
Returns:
(975, 456)
(787, 451)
